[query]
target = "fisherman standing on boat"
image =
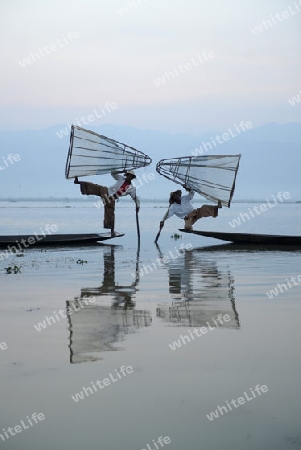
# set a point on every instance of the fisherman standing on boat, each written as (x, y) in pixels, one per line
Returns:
(181, 207)
(122, 187)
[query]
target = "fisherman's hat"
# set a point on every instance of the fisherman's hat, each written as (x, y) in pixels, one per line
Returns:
(172, 194)
(131, 172)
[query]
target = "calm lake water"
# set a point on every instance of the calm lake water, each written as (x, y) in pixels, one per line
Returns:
(145, 303)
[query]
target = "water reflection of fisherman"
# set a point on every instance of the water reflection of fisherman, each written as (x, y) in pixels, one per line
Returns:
(97, 328)
(181, 207)
(122, 187)
(121, 294)
(200, 291)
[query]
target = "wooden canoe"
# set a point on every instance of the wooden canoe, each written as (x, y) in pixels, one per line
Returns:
(249, 238)
(22, 242)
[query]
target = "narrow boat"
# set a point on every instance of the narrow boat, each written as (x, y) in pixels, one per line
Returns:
(249, 238)
(21, 242)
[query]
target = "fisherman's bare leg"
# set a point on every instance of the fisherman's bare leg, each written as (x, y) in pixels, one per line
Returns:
(188, 223)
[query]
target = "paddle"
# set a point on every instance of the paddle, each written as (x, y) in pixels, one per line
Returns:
(161, 226)
(158, 234)
(138, 227)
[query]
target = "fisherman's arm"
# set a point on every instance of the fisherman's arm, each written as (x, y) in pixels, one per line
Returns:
(167, 215)
(190, 194)
(117, 175)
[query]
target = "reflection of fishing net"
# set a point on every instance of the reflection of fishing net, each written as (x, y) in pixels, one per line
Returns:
(200, 292)
(93, 154)
(213, 177)
(95, 329)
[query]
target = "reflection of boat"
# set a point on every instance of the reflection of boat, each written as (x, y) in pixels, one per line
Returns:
(201, 292)
(231, 247)
(97, 328)
(20, 242)
(248, 238)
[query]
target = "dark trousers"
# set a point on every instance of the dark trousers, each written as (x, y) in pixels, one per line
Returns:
(108, 202)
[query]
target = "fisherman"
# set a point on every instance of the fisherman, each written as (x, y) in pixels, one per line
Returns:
(122, 187)
(181, 207)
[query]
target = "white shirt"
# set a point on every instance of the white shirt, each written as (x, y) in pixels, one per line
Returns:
(181, 210)
(130, 190)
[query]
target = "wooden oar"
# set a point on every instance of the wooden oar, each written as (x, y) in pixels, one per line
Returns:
(158, 234)
(138, 227)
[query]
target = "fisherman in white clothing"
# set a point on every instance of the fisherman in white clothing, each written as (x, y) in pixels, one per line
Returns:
(122, 187)
(181, 207)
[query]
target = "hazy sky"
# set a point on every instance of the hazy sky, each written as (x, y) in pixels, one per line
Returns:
(62, 60)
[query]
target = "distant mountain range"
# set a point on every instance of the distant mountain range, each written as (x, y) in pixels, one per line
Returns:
(271, 159)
